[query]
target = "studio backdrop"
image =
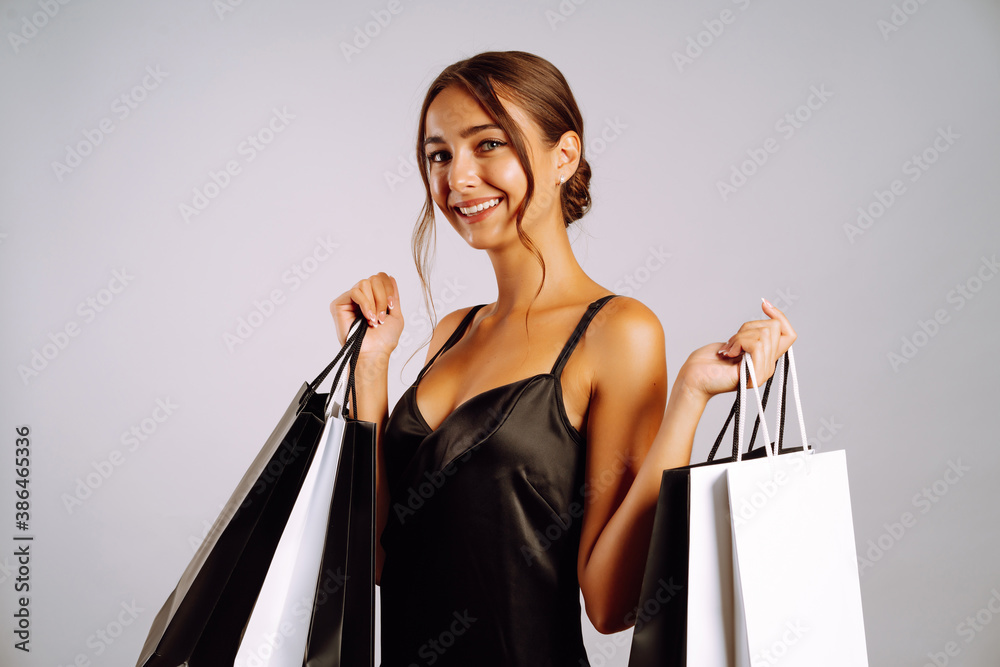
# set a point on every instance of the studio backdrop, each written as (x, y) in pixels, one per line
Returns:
(186, 185)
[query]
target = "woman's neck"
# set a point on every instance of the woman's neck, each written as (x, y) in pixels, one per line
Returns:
(519, 273)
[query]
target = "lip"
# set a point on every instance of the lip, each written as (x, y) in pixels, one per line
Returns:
(475, 202)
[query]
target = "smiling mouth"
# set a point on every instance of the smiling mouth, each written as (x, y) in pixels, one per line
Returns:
(478, 208)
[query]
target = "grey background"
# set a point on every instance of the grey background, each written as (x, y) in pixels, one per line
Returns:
(337, 172)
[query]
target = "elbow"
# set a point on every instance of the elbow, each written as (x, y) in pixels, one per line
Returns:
(608, 623)
(602, 624)
(605, 616)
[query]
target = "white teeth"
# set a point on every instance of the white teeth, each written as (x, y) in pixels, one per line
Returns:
(470, 210)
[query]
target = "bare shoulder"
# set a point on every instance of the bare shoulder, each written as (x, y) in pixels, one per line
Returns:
(624, 323)
(626, 339)
(445, 328)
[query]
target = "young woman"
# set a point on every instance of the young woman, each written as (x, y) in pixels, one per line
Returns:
(523, 465)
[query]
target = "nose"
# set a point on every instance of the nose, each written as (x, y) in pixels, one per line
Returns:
(464, 172)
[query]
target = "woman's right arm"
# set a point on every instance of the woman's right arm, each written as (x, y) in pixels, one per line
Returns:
(377, 299)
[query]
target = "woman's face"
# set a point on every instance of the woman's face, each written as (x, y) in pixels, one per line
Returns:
(475, 177)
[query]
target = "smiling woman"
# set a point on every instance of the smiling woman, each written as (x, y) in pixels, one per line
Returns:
(488, 100)
(523, 464)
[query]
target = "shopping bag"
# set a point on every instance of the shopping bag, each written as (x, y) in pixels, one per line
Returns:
(277, 631)
(797, 592)
(685, 614)
(205, 618)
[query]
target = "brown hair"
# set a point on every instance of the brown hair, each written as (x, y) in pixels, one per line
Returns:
(536, 86)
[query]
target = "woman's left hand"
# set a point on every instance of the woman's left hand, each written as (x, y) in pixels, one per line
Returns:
(715, 368)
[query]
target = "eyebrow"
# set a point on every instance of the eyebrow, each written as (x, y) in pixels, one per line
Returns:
(466, 133)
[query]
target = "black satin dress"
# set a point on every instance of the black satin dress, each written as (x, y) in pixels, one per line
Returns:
(484, 527)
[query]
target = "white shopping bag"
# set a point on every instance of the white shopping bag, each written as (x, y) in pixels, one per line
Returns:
(279, 626)
(797, 591)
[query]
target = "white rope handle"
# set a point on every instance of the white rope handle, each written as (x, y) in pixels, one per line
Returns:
(742, 398)
(798, 403)
(747, 366)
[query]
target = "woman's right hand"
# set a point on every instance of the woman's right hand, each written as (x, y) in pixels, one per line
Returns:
(377, 300)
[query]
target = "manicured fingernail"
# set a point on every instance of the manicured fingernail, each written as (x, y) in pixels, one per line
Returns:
(766, 302)
(390, 303)
(381, 317)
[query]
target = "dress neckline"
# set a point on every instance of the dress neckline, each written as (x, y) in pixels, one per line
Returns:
(420, 415)
(554, 373)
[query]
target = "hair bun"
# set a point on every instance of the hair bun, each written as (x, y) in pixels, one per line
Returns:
(576, 193)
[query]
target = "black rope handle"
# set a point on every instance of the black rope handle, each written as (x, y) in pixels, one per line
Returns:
(353, 350)
(347, 349)
(351, 386)
(781, 407)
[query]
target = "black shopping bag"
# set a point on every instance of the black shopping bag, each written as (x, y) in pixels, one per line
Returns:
(343, 625)
(203, 620)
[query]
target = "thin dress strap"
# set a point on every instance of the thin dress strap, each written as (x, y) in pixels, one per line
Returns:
(454, 338)
(578, 333)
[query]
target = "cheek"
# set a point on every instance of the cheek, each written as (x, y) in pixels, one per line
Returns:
(509, 177)
(438, 180)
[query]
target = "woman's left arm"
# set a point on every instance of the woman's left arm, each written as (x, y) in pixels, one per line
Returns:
(631, 435)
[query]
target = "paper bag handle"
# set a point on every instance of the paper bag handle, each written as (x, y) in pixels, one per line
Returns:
(343, 385)
(786, 362)
(781, 417)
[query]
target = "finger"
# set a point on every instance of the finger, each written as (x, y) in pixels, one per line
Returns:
(742, 340)
(344, 311)
(363, 296)
(726, 349)
(345, 305)
(380, 296)
(750, 331)
(394, 297)
(760, 342)
(762, 355)
(774, 313)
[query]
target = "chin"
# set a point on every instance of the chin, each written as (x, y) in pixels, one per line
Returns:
(483, 237)
(478, 241)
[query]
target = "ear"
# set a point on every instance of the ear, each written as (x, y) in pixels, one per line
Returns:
(567, 153)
